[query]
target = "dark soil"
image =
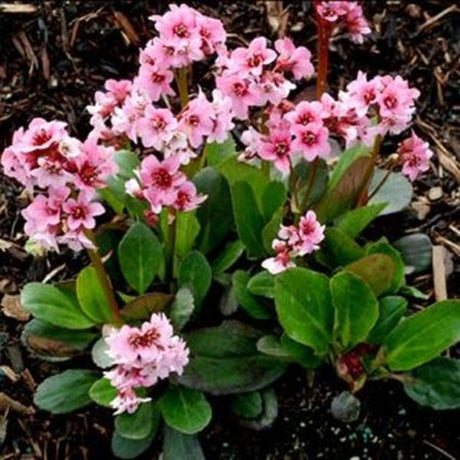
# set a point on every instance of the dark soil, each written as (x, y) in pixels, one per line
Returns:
(52, 61)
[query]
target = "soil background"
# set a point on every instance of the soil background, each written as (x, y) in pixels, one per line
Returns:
(55, 54)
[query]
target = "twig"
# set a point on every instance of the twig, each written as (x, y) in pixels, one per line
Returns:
(439, 273)
(436, 18)
(441, 451)
(18, 8)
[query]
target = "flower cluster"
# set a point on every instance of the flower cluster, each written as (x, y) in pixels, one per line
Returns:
(414, 154)
(143, 355)
(295, 241)
(347, 15)
(161, 183)
(66, 172)
(255, 75)
(366, 109)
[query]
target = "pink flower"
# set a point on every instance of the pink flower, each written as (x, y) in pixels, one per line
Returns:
(253, 58)
(311, 233)
(94, 165)
(240, 91)
(187, 198)
(212, 33)
(155, 81)
(177, 24)
(196, 120)
(273, 88)
(127, 401)
(82, 211)
(415, 155)
(311, 141)
(222, 115)
(305, 113)
(283, 259)
(157, 127)
(361, 93)
(332, 10)
(277, 148)
(294, 60)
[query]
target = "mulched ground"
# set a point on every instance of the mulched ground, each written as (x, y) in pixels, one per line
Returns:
(55, 56)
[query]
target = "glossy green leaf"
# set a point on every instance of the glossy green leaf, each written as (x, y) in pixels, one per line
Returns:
(100, 356)
(220, 152)
(91, 297)
(51, 305)
(304, 307)
(227, 258)
(356, 308)
(262, 284)
(253, 305)
(248, 405)
(301, 176)
(143, 306)
(273, 198)
(215, 219)
(140, 255)
(182, 308)
(139, 424)
(65, 392)
(269, 412)
(185, 410)
(436, 384)
(195, 273)
(396, 192)
(416, 251)
(421, 337)
(271, 229)
(338, 249)
(102, 392)
(356, 220)
(378, 270)
(187, 231)
(391, 311)
(179, 446)
(225, 360)
(249, 221)
(383, 247)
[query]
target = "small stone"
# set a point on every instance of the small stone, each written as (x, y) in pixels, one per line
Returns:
(435, 193)
(346, 407)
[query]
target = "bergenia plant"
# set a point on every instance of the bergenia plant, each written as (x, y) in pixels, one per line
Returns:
(224, 227)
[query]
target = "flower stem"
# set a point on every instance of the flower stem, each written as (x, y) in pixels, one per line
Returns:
(364, 197)
(101, 273)
(170, 249)
(182, 85)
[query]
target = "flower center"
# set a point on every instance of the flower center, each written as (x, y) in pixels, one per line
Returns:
(281, 148)
(144, 340)
(88, 174)
(308, 138)
(78, 212)
(41, 137)
(159, 123)
(180, 30)
(390, 102)
(162, 178)
(255, 60)
(157, 78)
(239, 89)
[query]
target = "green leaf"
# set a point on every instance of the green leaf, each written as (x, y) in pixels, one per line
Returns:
(185, 410)
(195, 273)
(139, 424)
(377, 269)
(55, 343)
(383, 247)
(131, 448)
(304, 307)
(143, 306)
(250, 303)
(288, 350)
(102, 392)
(271, 229)
(100, 356)
(436, 384)
(339, 249)
(396, 192)
(179, 446)
(215, 219)
(273, 198)
(355, 221)
(91, 296)
(262, 284)
(422, 336)
(187, 230)
(347, 182)
(299, 180)
(356, 308)
(225, 360)
(227, 258)
(140, 255)
(182, 308)
(248, 405)
(392, 309)
(416, 251)
(249, 221)
(269, 411)
(65, 392)
(219, 153)
(53, 306)
(411, 291)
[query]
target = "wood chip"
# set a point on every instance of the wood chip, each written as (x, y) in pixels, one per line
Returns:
(439, 273)
(7, 403)
(11, 307)
(9, 373)
(127, 27)
(18, 8)
(435, 193)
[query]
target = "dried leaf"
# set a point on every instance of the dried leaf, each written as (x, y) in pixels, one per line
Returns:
(11, 307)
